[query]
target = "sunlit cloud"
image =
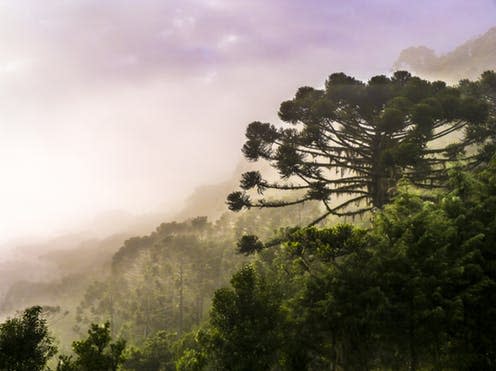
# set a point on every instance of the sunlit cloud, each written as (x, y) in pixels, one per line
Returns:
(227, 41)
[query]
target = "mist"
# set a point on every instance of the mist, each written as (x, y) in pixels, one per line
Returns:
(129, 211)
(125, 108)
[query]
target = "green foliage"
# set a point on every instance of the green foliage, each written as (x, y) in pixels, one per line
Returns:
(249, 244)
(415, 291)
(25, 343)
(162, 281)
(191, 360)
(96, 352)
(370, 134)
(243, 320)
(156, 354)
(165, 281)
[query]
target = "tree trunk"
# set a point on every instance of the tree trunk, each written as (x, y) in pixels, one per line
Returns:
(181, 297)
(411, 341)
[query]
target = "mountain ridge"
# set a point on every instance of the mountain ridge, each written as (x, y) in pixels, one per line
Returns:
(467, 61)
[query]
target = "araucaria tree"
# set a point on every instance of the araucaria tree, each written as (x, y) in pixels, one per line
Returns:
(356, 140)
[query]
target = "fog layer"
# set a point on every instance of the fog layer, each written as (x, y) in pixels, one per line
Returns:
(111, 105)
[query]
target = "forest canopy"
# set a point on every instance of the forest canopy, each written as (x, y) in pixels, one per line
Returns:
(415, 291)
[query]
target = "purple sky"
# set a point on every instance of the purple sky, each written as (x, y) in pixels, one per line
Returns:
(120, 104)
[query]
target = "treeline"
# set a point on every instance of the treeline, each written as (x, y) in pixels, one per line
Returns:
(158, 291)
(165, 281)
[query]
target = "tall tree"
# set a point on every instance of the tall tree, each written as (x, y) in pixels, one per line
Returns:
(242, 335)
(358, 139)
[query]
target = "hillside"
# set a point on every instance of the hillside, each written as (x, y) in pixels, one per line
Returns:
(468, 60)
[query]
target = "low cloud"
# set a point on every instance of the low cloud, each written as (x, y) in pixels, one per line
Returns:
(114, 104)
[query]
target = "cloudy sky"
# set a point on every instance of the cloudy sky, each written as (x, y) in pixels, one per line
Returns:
(131, 104)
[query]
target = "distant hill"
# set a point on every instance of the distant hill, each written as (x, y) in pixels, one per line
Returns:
(41, 265)
(87, 251)
(210, 200)
(468, 60)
